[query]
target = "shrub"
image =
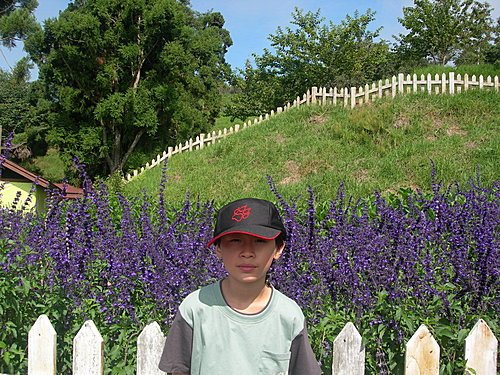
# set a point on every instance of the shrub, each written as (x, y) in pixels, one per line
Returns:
(386, 263)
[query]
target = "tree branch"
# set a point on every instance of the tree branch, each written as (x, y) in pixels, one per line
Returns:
(130, 149)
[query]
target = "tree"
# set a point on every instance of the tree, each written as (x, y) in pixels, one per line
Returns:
(492, 54)
(484, 51)
(129, 74)
(308, 54)
(442, 30)
(23, 111)
(17, 21)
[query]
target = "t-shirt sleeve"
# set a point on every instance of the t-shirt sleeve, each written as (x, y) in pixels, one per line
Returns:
(302, 360)
(176, 356)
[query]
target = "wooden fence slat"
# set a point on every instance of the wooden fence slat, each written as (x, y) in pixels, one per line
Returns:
(481, 349)
(88, 351)
(150, 345)
(429, 83)
(42, 343)
(348, 357)
(400, 83)
(422, 354)
(348, 352)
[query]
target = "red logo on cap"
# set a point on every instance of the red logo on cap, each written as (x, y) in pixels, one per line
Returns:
(241, 213)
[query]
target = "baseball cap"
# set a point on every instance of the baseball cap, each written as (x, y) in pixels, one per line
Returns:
(256, 217)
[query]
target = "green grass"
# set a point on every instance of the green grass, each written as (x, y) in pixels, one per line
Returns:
(226, 122)
(50, 165)
(383, 147)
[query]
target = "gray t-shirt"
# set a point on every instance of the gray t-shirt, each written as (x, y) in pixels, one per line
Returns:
(208, 337)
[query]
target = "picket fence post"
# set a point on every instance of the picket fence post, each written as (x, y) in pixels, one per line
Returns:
(314, 92)
(346, 96)
(149, 349)
(400, 83)
(88, 351)
(348, 352)
(481, 348)
(451, 83)
(422, 353)
(42, 343)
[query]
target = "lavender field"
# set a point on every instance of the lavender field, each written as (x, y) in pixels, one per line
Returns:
(387, 264)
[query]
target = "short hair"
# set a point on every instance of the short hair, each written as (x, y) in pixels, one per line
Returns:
(280, 240)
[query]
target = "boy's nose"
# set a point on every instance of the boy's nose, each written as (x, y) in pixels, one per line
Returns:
(247, 250)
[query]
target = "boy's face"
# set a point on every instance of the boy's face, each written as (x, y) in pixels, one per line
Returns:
(247, 258)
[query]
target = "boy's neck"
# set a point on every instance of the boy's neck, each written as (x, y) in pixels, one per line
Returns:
(246, 298)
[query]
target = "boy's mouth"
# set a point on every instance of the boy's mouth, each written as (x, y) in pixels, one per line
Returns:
(246, 267)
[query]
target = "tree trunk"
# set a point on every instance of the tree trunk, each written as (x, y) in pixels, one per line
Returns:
(131, 149)
(116, 159)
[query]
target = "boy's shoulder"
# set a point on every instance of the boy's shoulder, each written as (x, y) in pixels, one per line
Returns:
(205, 296)
(287, 306)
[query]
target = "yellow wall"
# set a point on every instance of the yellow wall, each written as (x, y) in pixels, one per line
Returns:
(9, 190)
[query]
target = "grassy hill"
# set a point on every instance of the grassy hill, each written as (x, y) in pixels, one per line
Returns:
(383, 146)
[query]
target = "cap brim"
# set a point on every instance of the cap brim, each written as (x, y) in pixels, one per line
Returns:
(253, 230)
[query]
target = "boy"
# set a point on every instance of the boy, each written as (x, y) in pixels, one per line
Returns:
(241, 325)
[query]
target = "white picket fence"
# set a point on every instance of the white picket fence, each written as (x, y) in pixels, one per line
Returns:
(347, 97)
(422, 351)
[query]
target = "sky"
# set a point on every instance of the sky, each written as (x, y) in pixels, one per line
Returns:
(250, 22)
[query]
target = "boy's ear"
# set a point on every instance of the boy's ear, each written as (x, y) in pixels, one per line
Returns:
(279, 251)
(218, 251)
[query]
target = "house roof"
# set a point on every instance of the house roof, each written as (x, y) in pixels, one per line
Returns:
(16, 168)
(70, 191)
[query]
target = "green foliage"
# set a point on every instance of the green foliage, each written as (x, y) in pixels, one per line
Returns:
(311, 53)
(442, 31)
(50, 165)
(391, 323)
(125, 76)
(484, 69)
(23, 112)
(384, 146)
(115, 183)
(25, 294)
(17, 20)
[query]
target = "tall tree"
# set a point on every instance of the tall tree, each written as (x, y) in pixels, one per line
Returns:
(23, 111)
(442, 30)
(17, 20)
(311, 53)
(124, 74)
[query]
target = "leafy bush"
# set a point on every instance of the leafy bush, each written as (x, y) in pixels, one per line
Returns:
(387, 264)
